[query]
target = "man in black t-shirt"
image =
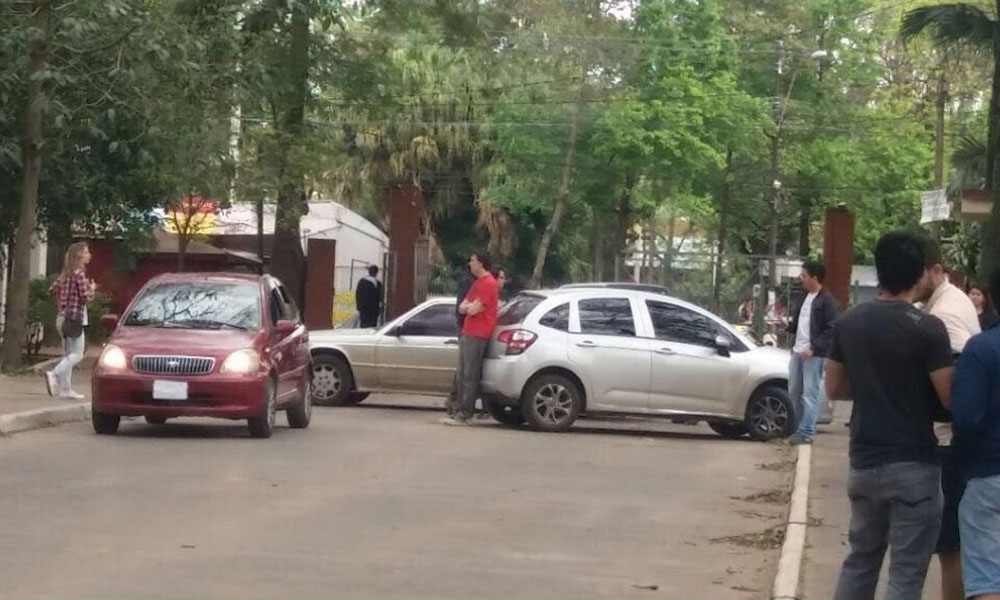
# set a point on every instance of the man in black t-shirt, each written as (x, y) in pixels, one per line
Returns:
(896, 363)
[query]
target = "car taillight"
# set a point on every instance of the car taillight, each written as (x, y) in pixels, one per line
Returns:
(517, 340)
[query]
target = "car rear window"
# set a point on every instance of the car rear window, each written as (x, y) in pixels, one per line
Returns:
(517, 309)
(557, 318)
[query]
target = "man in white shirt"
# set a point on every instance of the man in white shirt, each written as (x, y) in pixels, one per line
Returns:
(950, 304)
(812, 324)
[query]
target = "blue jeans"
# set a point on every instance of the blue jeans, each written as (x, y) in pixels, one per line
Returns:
(979, 522)
(73, 349)
(805, 386)
(894, 508)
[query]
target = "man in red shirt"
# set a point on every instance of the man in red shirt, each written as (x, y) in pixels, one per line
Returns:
(480, 311)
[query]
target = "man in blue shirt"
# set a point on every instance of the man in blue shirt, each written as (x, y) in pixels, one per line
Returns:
(976, 412)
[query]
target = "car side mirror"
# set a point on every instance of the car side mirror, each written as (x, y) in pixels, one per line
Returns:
(285, 327)
(109, 321)
(723, 345)
(396, 331)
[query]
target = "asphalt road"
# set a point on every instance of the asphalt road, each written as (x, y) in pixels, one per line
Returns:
(380, 501)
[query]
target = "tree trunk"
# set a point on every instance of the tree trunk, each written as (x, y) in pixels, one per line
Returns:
(562, 201)
(17, 290)
(720, 261)
(989, 253)
(598, 272)
(182, 246)
(624, 219)
(805, 226)
(288, 259)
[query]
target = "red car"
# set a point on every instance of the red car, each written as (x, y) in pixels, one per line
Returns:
(222, 345)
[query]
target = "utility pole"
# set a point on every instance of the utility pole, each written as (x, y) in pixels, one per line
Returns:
(941, 103)
(778, 114)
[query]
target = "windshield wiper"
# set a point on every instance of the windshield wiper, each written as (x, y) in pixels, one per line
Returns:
(203, 324)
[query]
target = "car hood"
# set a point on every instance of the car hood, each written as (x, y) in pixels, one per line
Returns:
(770, 359)
(335, 337)
(187, 342)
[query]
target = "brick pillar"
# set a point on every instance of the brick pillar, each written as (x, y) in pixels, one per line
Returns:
(406, 210)
(320, 269)
(838, 253)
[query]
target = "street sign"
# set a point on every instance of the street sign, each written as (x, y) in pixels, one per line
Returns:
(934, 206)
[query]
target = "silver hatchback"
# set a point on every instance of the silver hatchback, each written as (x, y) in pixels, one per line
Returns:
(557, 354)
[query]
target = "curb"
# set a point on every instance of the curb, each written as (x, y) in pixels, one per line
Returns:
(786, 581)
(43, 417)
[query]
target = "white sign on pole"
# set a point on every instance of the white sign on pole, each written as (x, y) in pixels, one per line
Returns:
(934, 206)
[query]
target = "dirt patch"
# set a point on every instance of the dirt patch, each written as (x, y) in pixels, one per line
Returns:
(757, 515)
(784, 466)
(776, 497)
(743, 588)
(769, 539)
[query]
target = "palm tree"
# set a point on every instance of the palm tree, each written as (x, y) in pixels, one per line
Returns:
(955, 26)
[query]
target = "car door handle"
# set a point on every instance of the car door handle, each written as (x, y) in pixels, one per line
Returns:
(667, 351)
(451, 342)
(586, 344)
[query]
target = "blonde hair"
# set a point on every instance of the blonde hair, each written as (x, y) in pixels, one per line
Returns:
(73, 260)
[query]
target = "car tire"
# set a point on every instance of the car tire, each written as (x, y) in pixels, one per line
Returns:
(156, 420)
(262, 425)
(332, 382)
(728, 429)
(770, 414)
(358, 397)
(551, 403)
(300, 414)
(105, 424)
(507, 414)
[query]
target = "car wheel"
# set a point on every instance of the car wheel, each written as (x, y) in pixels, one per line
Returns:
(551, 403)
(728, 430)
(300, 414)
(505, 413)
(332, 382)
(358, 397)
(262, 425)
(156, 420)
(105, 424)
(770, 414)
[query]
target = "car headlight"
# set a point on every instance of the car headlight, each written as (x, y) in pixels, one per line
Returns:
(113, 358)
(241, 361)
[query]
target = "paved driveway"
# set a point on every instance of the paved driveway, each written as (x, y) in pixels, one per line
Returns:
(379, 501)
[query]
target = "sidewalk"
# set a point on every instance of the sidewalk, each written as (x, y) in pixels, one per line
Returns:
(829, 515)
(25, 403)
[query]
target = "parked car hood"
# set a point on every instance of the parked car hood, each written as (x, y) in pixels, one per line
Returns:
(771, 358)
(342, 336)
(159, 340)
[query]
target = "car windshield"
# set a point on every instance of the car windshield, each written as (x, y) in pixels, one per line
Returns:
(198, 305)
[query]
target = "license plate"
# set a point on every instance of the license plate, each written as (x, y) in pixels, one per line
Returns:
(170, 390)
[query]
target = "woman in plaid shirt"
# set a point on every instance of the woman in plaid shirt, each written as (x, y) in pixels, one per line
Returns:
(72, 291)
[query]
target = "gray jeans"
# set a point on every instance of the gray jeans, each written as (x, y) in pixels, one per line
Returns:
(471, 351)
(896, 506)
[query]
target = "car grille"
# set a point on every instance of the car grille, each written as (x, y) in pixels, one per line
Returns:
(173, 365)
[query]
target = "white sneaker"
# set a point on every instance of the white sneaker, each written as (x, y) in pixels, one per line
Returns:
(72, 395)
(51, 383)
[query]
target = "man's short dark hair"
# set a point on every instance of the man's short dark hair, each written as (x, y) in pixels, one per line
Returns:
(373, 270)
(815, 269)
(932, 252)
(900, 260)
(484, 259)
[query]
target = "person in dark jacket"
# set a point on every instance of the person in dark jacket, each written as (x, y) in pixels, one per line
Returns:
(465, 280)
(368, 298)
(976, 410)
(812, 326)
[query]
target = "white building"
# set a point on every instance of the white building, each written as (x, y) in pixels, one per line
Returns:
(359, 242)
